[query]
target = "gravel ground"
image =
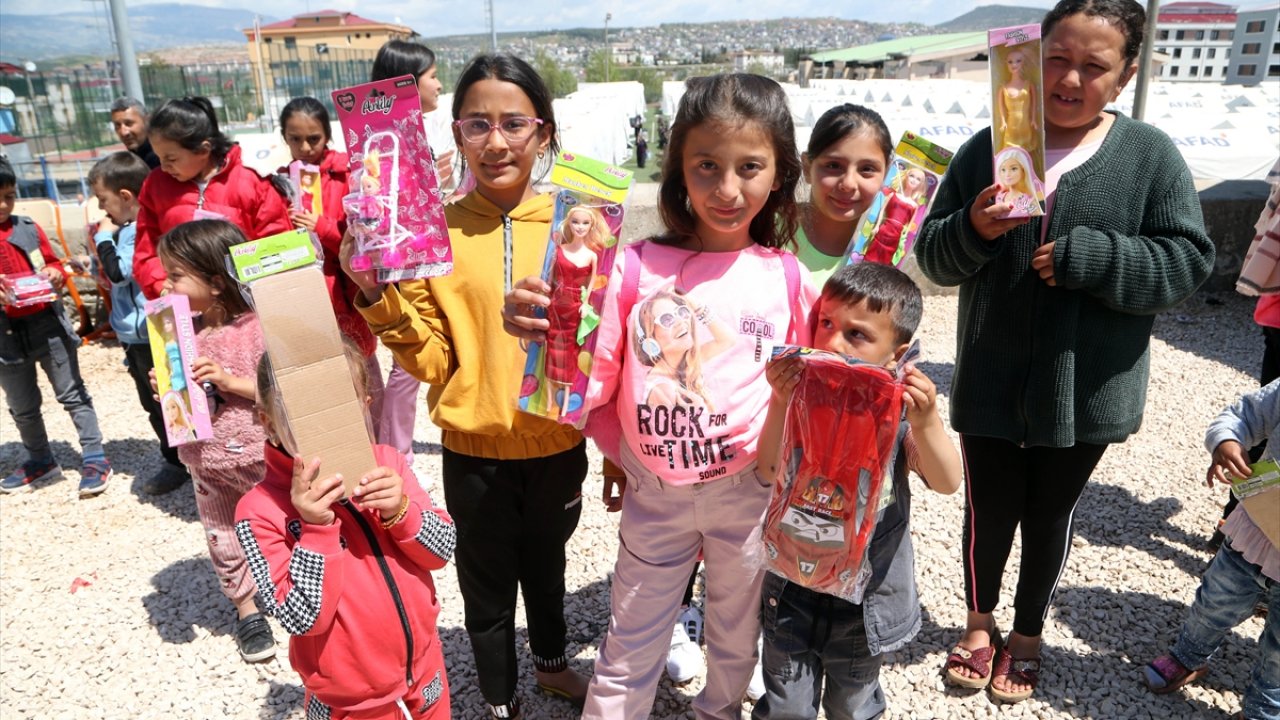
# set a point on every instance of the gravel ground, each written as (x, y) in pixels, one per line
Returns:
(109, 608)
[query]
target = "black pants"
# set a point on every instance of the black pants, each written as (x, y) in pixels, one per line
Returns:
(513, 519)
(1007, 485)
(138, 359)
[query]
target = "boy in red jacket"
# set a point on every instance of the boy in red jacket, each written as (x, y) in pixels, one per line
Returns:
(350, 581)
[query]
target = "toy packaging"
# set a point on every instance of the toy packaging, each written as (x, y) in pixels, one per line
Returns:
(395, 208)
(1259, 494)
(173, 348)
(584, 238)
(282, 278)
(26, 289)
(888, 232)
(838, 443)
(304, 180)
(1017, 118)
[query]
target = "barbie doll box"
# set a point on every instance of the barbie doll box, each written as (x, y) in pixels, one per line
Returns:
(324, 415)
(395, 207)
(888, 231)
(1017, 118)
(304, 182)
(183, 404)
(590, 204)
(1260, 495)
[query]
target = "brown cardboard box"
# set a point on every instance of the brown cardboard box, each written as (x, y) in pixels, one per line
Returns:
(1264, 511)
(312, 374)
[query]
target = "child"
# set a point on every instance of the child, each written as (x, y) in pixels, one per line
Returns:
(869, 312)
(229, 343)
(727, 198)
(1244, 573)
(1055, 319)
(513, 481)
(338, 573)
(40, 334)
(116, 181)
(200, 177)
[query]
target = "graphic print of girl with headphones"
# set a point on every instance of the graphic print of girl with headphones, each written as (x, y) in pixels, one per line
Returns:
(674, 337)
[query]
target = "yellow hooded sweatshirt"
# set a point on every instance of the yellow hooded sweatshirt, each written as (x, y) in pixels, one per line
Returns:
(447, 332)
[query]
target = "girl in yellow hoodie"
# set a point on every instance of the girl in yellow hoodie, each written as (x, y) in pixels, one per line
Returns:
(512, 481)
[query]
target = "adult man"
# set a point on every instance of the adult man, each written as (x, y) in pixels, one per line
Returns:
(129, 119)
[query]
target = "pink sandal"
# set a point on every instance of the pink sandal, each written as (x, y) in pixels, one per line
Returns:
(978, 661)
(1166, 674)
(1025, 671)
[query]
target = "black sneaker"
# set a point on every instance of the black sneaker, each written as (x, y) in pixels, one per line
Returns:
(253, 637)
(170, 478)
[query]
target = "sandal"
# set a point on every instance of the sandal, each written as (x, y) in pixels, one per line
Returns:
(1026, 671)
(1166, 674)
(978, 661)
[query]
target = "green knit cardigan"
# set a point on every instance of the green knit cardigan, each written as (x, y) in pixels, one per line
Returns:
(1053, 366)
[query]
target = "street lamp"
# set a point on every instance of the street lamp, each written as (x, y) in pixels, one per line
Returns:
(608, 51)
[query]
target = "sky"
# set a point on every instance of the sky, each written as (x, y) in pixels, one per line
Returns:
(449, 17)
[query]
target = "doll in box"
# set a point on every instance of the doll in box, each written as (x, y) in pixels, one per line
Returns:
(1021, 188)
(904, 195)
(169, 333)
(1019, 121)
(581, 238)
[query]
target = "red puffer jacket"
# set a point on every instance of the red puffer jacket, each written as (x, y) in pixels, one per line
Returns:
(235, 192)
(334, 178)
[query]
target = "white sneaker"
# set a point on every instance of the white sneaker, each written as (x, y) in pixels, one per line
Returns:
(755, 689)
(684, 659)
(691, 618)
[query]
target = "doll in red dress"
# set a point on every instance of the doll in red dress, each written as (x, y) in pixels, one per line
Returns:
(581, 238)
(903, 197)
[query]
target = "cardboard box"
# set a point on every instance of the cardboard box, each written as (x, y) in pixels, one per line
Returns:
(1260, 495)
(326, 418)
(172, 337)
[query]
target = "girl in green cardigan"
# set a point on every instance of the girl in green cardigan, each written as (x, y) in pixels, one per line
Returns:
(1055, 320)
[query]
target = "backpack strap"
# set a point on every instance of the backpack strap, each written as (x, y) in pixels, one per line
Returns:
(630, 280)
(791, 269)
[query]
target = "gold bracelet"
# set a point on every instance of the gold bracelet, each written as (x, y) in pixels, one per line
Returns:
(399, 516)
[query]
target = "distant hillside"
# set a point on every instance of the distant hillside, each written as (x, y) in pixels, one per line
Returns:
(987, 17)
(154, 27)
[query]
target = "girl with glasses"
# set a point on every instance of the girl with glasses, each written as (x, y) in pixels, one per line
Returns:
(512, 480)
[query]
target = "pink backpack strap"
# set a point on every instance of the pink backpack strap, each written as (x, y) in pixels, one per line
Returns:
(791, 269)
(630, 280)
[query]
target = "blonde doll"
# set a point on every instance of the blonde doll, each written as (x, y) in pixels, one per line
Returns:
(1019, 186)
(581, 236)
(1019, 121)
(906, 193)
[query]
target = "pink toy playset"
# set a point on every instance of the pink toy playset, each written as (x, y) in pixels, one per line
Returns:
(26, 289)
(395, 208)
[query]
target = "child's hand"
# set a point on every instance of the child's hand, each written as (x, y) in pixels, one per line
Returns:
(985, 214)
(155, 386)
(1228, 457)
(920, 396)
(56, 278)
(1042, 262)
(783, 376)
(303, 220)
(205, 369)
(366, 280)
(382, 490)
(517, 309)
(444, 167)
(314, 498)
(615, 486)
(105, 225)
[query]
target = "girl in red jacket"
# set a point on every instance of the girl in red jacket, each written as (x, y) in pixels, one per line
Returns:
(349, 580)
(304, 123)
(200, 177)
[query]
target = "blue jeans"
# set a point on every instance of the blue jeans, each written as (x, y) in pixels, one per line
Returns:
(47, 340)
(812, 639)
(1230, 589)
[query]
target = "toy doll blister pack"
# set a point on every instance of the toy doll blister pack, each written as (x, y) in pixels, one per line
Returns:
(304, 180)
(842, 430)
(26, 289)
(585, 231)
(395, 208)
(1017, 118)
(172, 335)
(888, 232)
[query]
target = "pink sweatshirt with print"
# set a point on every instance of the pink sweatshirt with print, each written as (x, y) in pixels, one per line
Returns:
(237, 436)
(687, 364)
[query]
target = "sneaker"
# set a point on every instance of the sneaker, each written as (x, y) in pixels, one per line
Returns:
(253, 637)
(684, 659)
(691, 618)
(93, 477)
(32, 471)
(170, 478)
(755, 689)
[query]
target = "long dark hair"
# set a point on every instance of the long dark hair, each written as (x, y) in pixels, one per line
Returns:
(401, 57)
(202, 246)
(729, 100)
(509, 68)
(191, 122)
(1126, 15)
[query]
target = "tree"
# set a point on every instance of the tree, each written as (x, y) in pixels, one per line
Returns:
(560, 81)
(598, 67)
